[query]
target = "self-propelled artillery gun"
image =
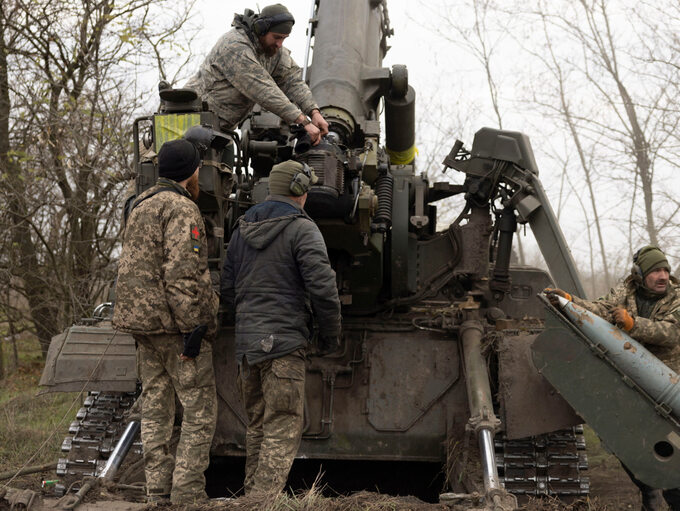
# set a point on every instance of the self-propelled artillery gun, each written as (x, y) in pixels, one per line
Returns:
(434, 365)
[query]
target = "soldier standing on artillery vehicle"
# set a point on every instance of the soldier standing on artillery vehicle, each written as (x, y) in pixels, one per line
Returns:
(647, 307)
(249, 65)
(275, 274)
(166, 301)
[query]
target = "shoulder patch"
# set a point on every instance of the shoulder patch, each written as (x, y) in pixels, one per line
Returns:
(195, 233)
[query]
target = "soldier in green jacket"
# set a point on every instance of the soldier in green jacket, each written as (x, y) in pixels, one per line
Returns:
(164, 298)
(249, 65)
(647, 306)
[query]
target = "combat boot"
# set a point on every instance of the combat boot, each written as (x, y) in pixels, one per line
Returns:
(158, 498)
(652, 500)
(672, 498)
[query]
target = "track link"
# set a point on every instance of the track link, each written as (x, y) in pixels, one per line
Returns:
(93, 436)
(550, 464)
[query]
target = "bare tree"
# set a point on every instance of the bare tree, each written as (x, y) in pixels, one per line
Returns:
(634, 102)
(66, 105)
(554, 98)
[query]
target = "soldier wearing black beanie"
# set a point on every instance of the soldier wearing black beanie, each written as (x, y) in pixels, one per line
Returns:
(178, 160)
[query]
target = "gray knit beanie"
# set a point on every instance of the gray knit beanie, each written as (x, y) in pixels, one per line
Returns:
(282, 175)
(274, 11)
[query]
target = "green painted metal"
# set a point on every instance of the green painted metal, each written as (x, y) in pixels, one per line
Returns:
(645, 439)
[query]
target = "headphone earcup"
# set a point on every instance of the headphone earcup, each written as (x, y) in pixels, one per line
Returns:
(637, 273)
(260, 26)
(299, 185)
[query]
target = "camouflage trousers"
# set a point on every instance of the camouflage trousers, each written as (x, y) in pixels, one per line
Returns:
(165, 375)
(273, 394)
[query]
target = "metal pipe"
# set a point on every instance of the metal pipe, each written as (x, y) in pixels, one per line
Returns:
(482, 417)
(122, 448)
(310, 29)
(500, 282)
(628, 355)
(478, 387)
(489, 468)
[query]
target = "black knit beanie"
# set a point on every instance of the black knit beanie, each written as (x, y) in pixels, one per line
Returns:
(178, 160)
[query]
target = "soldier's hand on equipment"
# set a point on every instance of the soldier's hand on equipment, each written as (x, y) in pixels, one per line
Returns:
(320, 122)
(622, 319)
(327, 345)
(314, 133)
(552, 294)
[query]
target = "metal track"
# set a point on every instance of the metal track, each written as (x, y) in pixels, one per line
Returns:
(550, 464)
(93, 435)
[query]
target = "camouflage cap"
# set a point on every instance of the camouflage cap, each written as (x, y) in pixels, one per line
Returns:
(178, 159)
(282, 178)
(281, 20)
(650, 258)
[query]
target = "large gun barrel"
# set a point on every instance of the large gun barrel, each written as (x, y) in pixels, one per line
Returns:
(346, 59)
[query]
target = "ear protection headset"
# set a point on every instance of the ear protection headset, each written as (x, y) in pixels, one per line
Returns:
(301, 181)
(636, 271)
(261, 25)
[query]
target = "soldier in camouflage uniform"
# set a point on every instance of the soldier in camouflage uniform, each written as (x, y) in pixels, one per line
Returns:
(275, 274)
(647, 307)
(249, 65)
(164, 297)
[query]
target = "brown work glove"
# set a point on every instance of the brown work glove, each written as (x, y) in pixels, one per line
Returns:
(552, 294)
(622, 319)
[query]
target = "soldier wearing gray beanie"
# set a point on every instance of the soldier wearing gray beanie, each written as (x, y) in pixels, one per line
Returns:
(277, 18)
(276, 279)
(249, 65)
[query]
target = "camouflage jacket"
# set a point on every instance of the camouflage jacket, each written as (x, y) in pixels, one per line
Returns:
(164, 284)
(277, 275)
(236, 74)
(660, 333)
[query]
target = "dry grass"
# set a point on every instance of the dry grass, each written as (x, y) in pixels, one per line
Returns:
(27, 420)
(312, 500)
